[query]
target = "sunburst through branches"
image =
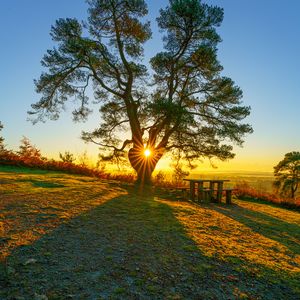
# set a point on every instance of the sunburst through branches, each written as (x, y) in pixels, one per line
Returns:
(144, 159)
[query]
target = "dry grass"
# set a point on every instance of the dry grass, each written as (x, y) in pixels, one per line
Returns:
(259, 236)
(32, 205)
(78, 237)
(244, 190)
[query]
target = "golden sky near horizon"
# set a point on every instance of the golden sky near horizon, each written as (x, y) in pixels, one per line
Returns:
(245, 160)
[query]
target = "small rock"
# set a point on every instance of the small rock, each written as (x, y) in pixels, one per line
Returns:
(30, 261)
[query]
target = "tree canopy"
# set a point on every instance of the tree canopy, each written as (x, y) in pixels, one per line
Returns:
(287, 174)
(179, 103)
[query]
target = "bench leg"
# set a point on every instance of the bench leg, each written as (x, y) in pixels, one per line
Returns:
(192, 191)
(228, 196)
(200, 192)
(219, 192)
(207, 196)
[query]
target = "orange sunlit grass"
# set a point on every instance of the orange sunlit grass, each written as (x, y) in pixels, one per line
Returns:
(248, 234)
(33, 205)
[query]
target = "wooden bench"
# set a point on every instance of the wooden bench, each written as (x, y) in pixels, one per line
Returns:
(183, 189)
(228, 195)
(206, 195)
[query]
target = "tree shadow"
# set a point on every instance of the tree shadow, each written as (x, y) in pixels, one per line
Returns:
(131, 247)
(42, 184)
(288, 234)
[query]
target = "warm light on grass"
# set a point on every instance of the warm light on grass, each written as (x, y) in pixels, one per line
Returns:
(147, 152)
(248, 232)
(245, 242)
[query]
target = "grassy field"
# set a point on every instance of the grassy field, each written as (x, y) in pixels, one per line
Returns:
(74, 237)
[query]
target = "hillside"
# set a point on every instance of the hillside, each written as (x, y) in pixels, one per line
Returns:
(75, 237)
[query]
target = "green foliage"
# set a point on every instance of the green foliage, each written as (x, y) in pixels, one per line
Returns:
(287, 173)
(187, 106)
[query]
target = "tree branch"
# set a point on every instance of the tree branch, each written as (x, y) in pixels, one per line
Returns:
(125, 144)
(101, 82)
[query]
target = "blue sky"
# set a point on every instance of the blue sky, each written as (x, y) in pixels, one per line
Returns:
(260, 52)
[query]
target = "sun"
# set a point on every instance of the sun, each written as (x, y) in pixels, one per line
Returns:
(147, 152)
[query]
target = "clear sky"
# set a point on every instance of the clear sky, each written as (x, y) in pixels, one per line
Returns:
(260, 52)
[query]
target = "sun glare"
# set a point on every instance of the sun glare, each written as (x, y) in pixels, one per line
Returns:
(147, 152)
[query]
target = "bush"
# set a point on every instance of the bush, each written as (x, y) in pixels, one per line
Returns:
(244, 191)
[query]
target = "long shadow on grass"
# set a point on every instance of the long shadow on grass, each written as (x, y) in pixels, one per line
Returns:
(42, 184)
(131, 247)
(288, 234)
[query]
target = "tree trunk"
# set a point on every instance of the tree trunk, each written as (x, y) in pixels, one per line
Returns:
(293, 191)
(144, 166)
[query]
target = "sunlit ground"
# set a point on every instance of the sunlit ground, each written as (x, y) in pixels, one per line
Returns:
(89, 237)
(255, 234)
(32, 205)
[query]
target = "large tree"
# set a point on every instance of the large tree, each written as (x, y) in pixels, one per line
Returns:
(183, 105)
(287, 174)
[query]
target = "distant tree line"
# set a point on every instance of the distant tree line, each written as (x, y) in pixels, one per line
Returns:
(28, 155)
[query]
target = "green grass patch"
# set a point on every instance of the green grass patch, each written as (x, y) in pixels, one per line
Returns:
(42, 184)
(26, 170)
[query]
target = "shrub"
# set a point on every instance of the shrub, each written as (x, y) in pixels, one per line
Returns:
(67, 157)
(244, 191)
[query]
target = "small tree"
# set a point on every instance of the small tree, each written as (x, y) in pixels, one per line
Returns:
(28, 152)
(2, 146)
(84, 160)
(6, 156)
(287, 173)
(187, 105)
(67, 157)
